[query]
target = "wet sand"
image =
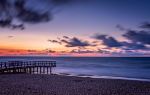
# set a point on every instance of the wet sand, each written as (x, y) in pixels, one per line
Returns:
(26, 84)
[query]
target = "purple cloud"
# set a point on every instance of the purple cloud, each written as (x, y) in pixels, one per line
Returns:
(14, 13)
(142, 37)
(107, 40)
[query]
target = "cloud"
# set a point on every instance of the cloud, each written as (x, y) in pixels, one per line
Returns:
(120, 27)
(66, 37)
(103, 51)
(10, 36)
(75, 42)
(142, 37)
(15, 13)
(112, 42)
(145, 25)
(49, 51)
(82, 51)
(133, 46)
(54, 41)
(107, 40)
(72, 42)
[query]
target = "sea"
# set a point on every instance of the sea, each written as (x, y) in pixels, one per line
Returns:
(130, 68)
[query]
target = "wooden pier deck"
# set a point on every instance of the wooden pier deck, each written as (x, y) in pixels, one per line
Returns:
(31, 67)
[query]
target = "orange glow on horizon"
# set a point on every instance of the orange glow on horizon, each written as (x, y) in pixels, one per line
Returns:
(22, 52)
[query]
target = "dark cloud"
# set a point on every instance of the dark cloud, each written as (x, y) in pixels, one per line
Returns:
(142, 37)
(72, 42)
(103, 51)
(133, 46)
(66, 37)
(120, 27)
(112, 42)
(54, 41)
(108, 41)
(14, 13)
(32, 50)
(75, 42)
(10, 36)
(82, 51)
(63, 41)
(48, 50)
(51, 51)
(145, 25)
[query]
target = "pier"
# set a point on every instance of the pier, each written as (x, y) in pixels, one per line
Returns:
(31, 67)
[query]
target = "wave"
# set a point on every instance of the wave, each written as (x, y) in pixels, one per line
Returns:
(104, 77)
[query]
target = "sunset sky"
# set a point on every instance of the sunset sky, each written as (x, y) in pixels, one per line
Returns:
(77, 28)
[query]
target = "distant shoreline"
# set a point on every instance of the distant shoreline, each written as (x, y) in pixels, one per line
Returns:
(26, 84)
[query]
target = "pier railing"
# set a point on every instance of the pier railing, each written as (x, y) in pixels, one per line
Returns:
(27, 67)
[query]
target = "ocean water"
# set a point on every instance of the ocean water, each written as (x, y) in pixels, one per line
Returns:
(104, 67)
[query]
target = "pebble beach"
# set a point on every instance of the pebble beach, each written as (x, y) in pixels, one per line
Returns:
(26, 84)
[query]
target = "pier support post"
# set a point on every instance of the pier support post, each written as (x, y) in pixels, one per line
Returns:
(40, 70)
(47, 70)
(44, 70)
(30, 70)
(37, 70)
(50, 70)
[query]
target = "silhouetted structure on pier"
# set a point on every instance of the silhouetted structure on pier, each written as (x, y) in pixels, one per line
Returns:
(31, 67)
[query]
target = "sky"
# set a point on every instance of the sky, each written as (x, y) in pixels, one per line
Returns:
(75, 27)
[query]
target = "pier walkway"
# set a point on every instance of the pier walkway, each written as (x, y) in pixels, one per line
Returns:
(31, 67)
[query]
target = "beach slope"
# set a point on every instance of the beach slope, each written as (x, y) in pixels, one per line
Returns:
(26, 84)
